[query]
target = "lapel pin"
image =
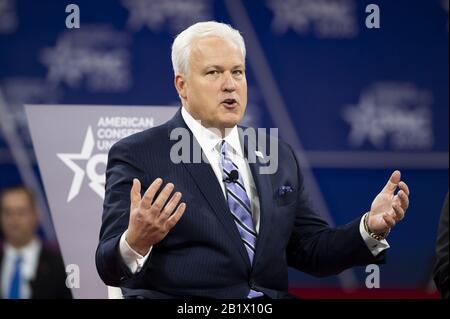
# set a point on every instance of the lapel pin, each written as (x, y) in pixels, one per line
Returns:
(259, 154)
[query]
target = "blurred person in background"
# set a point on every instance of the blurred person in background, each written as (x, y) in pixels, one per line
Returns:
(441, 262)
(29, 269)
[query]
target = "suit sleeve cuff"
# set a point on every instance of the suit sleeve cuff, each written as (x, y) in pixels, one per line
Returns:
(131, 258)
(375, 246)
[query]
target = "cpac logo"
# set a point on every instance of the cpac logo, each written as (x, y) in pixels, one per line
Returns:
(323, 18)
(94, 57)
(391, 115)
(96, 180)
(176, 14)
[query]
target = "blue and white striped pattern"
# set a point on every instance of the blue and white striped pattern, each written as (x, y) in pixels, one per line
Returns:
(240, 208)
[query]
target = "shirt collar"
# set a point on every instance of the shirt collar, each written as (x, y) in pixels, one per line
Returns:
(208, 139)
(26, 252)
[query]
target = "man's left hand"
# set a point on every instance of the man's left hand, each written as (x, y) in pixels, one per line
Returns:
(388, 208)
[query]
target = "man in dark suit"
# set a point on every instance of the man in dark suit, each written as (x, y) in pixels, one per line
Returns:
(441, 269)
(245, 216)
(29, 269)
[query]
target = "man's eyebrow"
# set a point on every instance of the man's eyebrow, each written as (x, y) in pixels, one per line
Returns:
(214, 66)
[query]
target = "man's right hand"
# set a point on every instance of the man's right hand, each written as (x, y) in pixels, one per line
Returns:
(151, 219)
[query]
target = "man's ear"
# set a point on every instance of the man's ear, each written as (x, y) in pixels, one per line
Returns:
(180, 85)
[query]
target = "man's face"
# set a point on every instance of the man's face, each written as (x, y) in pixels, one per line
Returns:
(18, 218)
(215, 88)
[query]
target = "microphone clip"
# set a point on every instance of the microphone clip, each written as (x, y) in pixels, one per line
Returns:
(232, 177)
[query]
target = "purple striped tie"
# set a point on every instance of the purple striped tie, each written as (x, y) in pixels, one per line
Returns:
(240, 207)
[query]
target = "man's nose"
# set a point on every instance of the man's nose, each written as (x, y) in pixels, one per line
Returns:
(229, 84)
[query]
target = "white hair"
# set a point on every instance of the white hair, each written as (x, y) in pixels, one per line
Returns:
(181, 47)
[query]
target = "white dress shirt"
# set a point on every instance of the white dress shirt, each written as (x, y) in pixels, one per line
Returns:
(210, 144)
(30, 259)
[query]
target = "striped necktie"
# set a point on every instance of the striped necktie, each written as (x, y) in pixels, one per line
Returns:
(239, 205)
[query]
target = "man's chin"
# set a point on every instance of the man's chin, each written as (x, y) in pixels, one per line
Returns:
(231, 120)
(228, 125)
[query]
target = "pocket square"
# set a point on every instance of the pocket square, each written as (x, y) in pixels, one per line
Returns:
(283, 190)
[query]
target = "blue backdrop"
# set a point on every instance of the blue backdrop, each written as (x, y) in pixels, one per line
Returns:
(355, 102)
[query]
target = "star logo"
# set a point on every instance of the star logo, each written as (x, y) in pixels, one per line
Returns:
(363, 119)
(393, 115)
(323, 18)
(69, 160)
(178, 14)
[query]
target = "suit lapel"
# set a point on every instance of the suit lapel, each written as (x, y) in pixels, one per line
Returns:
(206, 180)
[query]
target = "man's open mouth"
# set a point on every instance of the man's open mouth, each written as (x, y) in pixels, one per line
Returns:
(230, 102)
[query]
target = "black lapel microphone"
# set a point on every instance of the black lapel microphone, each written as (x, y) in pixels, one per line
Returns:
(232, 177)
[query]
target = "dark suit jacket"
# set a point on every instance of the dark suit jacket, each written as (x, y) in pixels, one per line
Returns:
(50, 279)
(203, 255)
(441, 268)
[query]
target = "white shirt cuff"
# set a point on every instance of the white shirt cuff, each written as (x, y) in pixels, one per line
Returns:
(375, 246)
(131, 258)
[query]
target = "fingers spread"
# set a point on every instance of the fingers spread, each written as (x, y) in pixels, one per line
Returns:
(390, 221)
(173, 220)
(392, 183)
(170, 206)
(404, 200)
(147, 199)
(399, 212)
(135, 193)
(404, 187)
(161, 200)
